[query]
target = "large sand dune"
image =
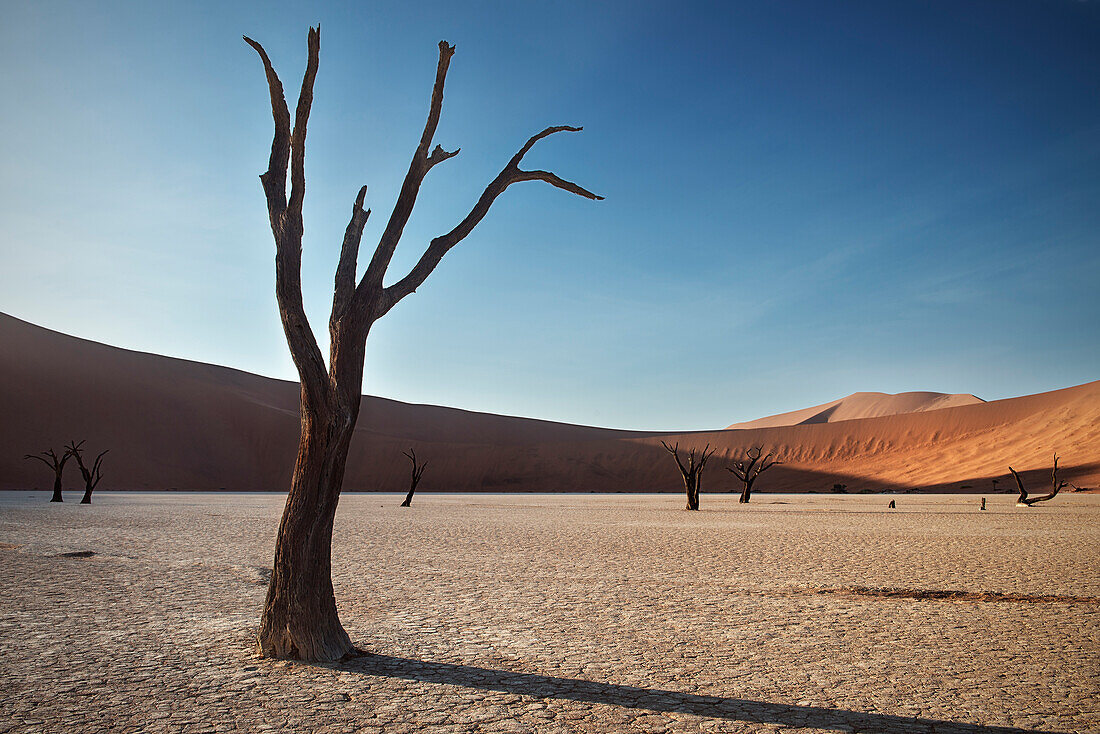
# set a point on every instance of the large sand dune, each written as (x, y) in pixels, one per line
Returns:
(863, 405)
(171, 423)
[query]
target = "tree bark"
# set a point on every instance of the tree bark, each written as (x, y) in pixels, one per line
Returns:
(56, 489)
(300, 619)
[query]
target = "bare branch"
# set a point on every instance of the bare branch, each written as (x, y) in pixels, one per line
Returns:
(439, 155)
(286, 218)
(1019, 483)
(298, 139)
(42, 459)
(419, 166)
(675, 451)
(554, 180)
(349, 255)
(274, 180)
(441, 245)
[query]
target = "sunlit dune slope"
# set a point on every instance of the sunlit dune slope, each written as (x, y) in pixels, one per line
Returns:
(171, 423)
(863, 405)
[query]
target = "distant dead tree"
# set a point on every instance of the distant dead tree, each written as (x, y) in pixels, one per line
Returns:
(995, 483)
(91, 476)
(52, 460)
(983, 503)
(893, 504)
(299, 618)
(840, 488)
(417, 470)
(748, 469)
(692, 473)
(1024, 501)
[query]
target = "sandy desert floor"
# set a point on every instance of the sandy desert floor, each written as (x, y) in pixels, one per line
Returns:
(561, 613)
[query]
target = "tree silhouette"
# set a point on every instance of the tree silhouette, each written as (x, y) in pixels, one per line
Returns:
(692, 472)
(299, 617)
(91, 476)
(751, 467)
(1024, 501)
(57, 464)
(417, 471)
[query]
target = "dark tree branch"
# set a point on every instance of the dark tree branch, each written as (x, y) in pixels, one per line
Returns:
(441, 245)
(674, 450)
(301, 119)
(349, 255)
(274, 180)
(1055, 487)
(418, 168)
(286, 217)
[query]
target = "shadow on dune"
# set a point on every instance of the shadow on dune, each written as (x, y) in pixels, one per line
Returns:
(658, 700)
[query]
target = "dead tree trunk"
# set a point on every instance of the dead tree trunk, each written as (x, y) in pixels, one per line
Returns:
(1024, 501)
(748, 469)
(57, 464)
(299, 618)
(417, 471)
(91, 476)
(692, 473)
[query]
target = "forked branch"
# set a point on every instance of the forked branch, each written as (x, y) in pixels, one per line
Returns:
(286, 215)
(1055, 486)
(421, 163)
(511, 174)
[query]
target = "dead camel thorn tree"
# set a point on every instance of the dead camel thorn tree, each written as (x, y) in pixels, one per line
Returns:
(299, 617)
(417, 471)
(751, 467)
(91, 476)
(1024, 501)
(693, 472)
(52, 460)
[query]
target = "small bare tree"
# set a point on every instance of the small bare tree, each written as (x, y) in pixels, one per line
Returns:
(91, 476)
(299, 618)
(57, 464)
(692, 472)
(417, 471)
(1024, 501)
(748, 469)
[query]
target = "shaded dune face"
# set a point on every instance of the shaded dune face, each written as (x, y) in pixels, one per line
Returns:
(171, 423)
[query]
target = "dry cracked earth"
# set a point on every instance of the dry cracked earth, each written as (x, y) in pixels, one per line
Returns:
(561, 613)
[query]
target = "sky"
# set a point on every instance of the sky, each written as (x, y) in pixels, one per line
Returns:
(803, 199)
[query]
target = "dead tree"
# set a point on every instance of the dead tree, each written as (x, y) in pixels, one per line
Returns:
(91, 476)
(693, 472)
(50, 459)
(417, 471)
(1024, 501)
(299, 617)
(748, 469)
(893, 504)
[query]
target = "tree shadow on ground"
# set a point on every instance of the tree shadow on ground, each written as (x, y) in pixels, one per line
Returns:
(657, 700)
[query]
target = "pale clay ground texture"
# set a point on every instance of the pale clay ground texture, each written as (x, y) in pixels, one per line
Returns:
(558, 613)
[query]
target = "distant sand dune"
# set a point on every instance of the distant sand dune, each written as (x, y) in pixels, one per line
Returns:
(171, 423)
(863, 405)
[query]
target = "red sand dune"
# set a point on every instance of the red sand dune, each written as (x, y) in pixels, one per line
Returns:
(171, 423)
(863, 405)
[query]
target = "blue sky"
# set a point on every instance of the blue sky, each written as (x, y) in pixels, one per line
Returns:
(804, 199)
